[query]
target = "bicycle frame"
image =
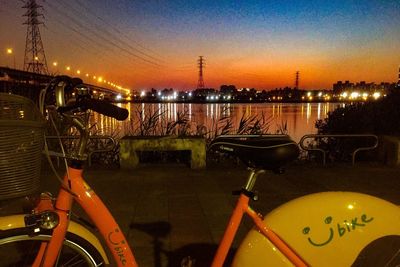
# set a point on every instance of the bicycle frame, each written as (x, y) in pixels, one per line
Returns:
(114, 237)
(242, 207)
(97, 212)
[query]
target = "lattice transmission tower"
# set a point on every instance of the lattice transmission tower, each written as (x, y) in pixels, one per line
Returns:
(296, 84)
(35, 59)
(201, 64)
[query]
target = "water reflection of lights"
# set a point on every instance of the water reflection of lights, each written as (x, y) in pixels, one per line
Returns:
(226, 110)
(175, 113)
(305, 115)
(143, 113)
(248, 111)
(319, 111)
(308, 112)
(128, 107)
(326, 108)
(276, 110)
(159, 109)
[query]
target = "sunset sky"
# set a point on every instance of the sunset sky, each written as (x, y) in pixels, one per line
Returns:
(156, 43)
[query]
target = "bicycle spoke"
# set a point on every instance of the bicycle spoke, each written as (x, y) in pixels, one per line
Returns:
(393, 258)
(70, 263)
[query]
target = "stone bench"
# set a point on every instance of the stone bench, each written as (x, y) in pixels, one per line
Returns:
(129, 146)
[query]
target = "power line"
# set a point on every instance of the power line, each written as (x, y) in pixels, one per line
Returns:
(88, 10)
(84, 38)
(108, 33)
(101, 37)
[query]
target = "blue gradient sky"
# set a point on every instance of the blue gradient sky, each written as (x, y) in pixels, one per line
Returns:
(143, 44)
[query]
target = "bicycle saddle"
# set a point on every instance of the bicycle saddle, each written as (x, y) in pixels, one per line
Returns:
(268, 152)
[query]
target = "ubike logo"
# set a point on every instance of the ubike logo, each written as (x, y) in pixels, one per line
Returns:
(338, 229)
(118, 245)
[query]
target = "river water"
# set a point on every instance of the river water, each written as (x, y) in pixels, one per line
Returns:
(297, 119)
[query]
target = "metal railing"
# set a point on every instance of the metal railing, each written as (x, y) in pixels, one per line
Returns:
(353, 154)
(90, 153)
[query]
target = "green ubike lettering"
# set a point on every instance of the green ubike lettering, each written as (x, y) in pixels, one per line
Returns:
(354, 223)
(365, 219)
(341, 229)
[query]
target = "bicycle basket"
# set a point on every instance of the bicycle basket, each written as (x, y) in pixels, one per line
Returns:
(21, 142)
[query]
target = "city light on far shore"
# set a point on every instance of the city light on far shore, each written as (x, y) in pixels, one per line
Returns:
(376, 95)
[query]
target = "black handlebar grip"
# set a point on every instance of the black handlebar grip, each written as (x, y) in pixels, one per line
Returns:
(105, 108)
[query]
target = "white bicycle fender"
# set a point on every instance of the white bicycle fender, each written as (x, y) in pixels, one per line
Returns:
(17, 221)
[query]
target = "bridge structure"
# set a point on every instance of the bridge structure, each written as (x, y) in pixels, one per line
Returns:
(29, 84)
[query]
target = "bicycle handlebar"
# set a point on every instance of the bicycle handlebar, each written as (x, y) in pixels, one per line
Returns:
(64, 84)
(104, 108)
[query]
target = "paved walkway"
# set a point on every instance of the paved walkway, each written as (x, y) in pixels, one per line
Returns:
(169, 211)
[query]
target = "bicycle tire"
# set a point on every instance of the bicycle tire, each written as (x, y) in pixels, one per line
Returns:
(18, 249)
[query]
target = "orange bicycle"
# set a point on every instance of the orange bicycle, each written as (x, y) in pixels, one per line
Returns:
(312, 230)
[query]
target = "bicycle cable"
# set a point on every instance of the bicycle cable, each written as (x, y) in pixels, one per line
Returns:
(42, 97)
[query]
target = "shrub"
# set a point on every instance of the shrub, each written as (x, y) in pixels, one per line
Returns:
(378, 117)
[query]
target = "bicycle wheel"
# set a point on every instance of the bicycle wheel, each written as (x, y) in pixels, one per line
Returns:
(17, 248)
(384, 251)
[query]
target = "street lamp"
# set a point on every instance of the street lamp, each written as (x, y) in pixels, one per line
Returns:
(55, 67)
(11, 52)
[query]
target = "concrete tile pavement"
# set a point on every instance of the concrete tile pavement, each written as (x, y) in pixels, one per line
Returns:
(170, 211)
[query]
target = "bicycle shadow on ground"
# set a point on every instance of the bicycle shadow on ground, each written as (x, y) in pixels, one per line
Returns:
(200, 254)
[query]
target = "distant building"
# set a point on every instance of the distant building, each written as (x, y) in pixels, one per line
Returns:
(362, 86)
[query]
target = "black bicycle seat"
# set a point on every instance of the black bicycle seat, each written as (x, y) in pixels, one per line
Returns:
(268, 152)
